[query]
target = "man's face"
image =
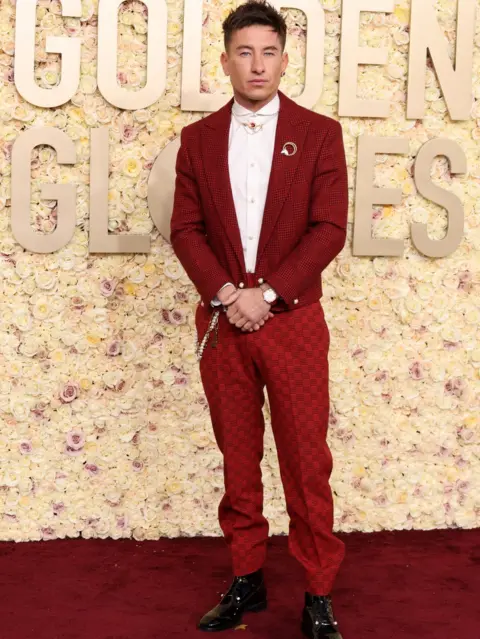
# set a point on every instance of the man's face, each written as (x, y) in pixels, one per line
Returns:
(255, 62)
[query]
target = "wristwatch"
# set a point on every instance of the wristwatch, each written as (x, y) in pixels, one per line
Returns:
(269, 295)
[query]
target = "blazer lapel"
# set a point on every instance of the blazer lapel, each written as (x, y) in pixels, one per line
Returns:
(215, 135)
(291, 127)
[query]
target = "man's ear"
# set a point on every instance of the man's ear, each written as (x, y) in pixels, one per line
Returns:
(224, 62)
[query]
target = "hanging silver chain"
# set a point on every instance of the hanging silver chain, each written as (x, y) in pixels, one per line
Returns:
(213, 325)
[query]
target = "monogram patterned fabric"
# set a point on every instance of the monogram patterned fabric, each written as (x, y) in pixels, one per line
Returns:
(289, 357)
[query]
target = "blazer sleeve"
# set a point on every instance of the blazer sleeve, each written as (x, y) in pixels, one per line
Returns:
(187, 230)
(326, 233)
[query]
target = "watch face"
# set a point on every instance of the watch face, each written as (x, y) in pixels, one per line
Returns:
(269, 296)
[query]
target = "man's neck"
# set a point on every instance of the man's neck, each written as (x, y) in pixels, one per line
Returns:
(253, 105)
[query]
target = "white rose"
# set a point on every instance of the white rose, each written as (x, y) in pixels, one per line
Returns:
(45, 280)
(20, 408)
(173, 269)
(23, 268)
(41, 308)
(22, 320)
(30, 346)
(135, 274)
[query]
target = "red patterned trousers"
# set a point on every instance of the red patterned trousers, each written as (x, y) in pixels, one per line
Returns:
(288, 356)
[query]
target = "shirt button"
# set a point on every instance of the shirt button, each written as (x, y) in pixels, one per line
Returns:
(252, 164)
(252, 200)
(250, 237)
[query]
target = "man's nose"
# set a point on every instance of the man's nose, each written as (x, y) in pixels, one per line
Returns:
(257, 64)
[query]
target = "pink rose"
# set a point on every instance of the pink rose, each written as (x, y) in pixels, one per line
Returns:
(48, 533)
(69, 392)
(128, 133)
(25, 447)
(108, 286)
(449, 346)
(114, 348)
(177, 317)
(58, 508)
(181, 296)
(7, 150)
(466, 281)
(120, 291)
(92, 469)
(8, 76)
(75, 439)
(78, 302)
(455, 386)
(416, 371)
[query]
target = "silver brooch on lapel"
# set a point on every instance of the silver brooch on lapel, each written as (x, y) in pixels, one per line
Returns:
(289, 148)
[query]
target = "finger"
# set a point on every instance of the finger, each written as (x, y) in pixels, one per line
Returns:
(241, 322)
(232, 309)
(233, 319)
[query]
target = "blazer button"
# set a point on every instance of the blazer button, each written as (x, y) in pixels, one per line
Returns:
(260, 280)
(295, 301)
(241, 285)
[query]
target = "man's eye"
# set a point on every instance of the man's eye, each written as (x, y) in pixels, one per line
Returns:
(244, 53)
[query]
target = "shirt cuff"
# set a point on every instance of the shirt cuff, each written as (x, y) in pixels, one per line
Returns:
(216, 301)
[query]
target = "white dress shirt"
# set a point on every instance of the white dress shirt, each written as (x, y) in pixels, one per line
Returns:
(250, 162)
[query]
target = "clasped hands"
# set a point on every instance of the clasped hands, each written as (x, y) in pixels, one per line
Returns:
(247, 309)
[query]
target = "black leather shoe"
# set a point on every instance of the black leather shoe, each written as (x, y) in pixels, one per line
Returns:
(318, 621)
(246, 594)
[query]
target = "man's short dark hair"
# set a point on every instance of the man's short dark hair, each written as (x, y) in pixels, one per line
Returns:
(251, 13)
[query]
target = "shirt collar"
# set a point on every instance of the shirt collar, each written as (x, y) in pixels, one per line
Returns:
(271, 108)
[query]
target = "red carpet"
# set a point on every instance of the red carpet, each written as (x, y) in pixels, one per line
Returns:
(393, 585)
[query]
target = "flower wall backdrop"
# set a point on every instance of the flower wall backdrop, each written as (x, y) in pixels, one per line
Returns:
(104, 428)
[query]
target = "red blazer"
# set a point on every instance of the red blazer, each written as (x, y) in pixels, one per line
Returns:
(305, 217)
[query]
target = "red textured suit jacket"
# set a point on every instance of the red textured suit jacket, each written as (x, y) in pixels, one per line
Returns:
(305, 216)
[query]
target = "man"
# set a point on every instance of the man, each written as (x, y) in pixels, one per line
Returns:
(260, 210)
